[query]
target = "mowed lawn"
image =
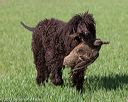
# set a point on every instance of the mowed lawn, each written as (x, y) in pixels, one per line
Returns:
(107, 77)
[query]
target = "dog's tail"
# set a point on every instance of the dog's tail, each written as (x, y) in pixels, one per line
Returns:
(27, 27)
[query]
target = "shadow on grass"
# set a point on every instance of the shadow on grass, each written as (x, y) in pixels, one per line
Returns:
(110, 82)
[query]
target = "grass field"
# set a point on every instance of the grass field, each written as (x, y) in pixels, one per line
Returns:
(107, 78)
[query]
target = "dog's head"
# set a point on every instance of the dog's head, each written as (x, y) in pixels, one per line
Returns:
(83, 26)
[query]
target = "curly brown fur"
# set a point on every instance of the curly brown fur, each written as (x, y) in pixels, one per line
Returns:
(51, 43)
(79, 58)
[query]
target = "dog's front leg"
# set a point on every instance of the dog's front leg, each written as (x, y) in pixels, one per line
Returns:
(55, 67)
(78, 78)
(56, 75)
(78, 73)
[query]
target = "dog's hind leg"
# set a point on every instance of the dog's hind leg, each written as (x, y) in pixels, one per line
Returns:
(39, 61)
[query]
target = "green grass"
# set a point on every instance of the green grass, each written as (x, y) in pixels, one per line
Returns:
(107, 78)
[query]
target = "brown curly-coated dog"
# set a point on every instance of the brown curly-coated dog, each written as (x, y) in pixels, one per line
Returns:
(52, 41)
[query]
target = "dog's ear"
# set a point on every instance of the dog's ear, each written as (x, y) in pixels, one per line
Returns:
(88, 18)
(90, 23)
(73, 23)
(76, 37)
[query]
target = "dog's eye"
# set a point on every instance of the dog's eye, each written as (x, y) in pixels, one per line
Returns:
(86, 33)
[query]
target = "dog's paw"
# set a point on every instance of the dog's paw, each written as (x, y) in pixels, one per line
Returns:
(57, 81)
(40, 80)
